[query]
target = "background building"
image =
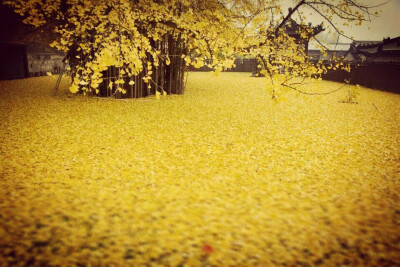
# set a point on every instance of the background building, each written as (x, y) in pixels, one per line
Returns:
(24, 50)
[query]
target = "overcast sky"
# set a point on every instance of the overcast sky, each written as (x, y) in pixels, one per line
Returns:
(386, 25)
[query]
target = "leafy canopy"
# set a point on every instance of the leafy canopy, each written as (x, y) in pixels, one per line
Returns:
(97, 34)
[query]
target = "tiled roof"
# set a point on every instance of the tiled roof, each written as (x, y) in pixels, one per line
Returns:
(392, 57)
(391, 44)
(369, 49)
(381, 52)
(317, 55)
(365, 43)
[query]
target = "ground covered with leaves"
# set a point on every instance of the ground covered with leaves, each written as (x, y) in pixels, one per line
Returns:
(221, 176)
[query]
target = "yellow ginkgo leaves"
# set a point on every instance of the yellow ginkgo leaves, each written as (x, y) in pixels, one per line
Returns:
(74, 88)
(220, 176)
(158, 94)
(100, 35)
(119, 81)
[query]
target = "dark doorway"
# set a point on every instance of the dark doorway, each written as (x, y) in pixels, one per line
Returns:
(13, 62)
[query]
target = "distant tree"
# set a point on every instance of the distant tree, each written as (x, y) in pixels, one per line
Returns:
(155, 39)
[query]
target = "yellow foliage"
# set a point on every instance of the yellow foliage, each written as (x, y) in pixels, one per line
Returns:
(74, 88)
(130, 35)
(221, 176)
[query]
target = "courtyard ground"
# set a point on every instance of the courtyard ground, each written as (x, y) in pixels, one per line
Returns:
(219, 176)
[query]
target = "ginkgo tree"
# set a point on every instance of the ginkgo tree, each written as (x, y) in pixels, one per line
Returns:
(141, 47)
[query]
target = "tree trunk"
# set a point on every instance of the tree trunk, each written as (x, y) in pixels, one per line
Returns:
(169, 78)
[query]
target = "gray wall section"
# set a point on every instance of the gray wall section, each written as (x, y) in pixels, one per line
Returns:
(23, 61)
(41, 63)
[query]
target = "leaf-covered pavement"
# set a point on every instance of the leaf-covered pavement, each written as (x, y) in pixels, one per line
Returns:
(220, 176)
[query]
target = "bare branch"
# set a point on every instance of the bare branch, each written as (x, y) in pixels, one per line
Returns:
(313, 93)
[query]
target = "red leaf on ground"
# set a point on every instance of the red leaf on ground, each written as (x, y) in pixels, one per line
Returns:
(207, 249)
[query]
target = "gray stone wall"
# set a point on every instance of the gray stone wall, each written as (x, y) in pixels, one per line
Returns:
(41, 63)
